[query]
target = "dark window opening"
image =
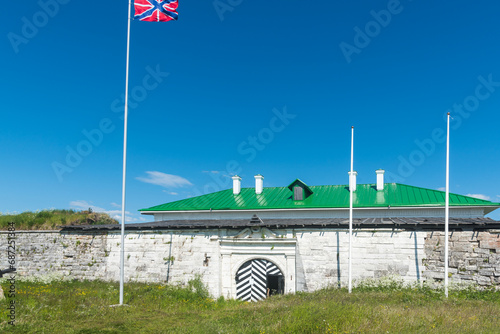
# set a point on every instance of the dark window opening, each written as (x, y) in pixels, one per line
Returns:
(275, 285)
(298, 193)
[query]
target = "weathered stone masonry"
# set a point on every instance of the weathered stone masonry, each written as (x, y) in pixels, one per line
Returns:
(43, 252)
(309, 258)
(153, 256)
(474, 257)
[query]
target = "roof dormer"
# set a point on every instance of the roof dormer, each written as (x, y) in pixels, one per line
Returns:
(300, 190)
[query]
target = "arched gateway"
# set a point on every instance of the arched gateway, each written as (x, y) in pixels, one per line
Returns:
(258, 278)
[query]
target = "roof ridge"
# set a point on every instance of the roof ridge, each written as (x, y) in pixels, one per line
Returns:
(325, 196)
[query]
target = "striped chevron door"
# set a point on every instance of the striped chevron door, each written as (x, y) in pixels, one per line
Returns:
(251, 279)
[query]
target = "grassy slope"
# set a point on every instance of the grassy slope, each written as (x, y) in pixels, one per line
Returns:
(51, 219)
(83, 307)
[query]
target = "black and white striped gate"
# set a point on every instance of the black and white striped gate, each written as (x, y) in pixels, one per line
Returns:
(252, 279)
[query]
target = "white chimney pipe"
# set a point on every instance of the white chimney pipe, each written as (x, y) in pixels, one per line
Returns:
(380, 179)
(352, 180)
(259, 184)
(236, 184)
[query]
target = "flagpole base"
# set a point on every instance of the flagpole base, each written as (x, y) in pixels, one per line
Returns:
(116, 305)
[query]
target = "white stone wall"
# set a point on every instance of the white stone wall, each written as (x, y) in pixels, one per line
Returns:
(157, 256)
(322, 256)
(474, 257)
(165, 256)
(45, 252)
(310, 259)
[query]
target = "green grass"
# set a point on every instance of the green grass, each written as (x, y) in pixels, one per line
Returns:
(51, 219)
(84, 307)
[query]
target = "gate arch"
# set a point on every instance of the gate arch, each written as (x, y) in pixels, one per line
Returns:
(255, 277)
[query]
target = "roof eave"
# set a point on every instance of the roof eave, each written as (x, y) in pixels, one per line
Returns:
(487, 209)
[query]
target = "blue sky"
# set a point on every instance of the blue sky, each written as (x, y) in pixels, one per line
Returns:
(234, 88)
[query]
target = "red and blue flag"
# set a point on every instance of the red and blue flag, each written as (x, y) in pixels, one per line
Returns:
(156, 10)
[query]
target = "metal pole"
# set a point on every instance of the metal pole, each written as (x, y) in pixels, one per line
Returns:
(447, 208)
(350, 209)
(125, 122)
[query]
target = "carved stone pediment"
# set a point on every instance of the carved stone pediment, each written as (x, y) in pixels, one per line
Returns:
(254, 232)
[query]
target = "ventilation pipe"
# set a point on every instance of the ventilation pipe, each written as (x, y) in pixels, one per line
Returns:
(259, 184)
(352, 180)
(380, 179)
(236, 184)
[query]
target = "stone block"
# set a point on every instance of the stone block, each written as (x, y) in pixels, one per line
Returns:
(481, 250)
(472, 262)
(481, 280)
(434, 275)
(454, 263)
(491, 242)
(494, 259)
(471, 268)
(465, 236)
(458, 256)
(486, 272)
(462, 246)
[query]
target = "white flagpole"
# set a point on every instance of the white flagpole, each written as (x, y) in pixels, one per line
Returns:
(125, 122)
(447, 208)
(350, 209)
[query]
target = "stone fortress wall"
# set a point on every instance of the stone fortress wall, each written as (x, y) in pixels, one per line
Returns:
(320, 256)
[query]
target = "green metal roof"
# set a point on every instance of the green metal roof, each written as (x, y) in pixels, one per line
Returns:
(366, 195)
